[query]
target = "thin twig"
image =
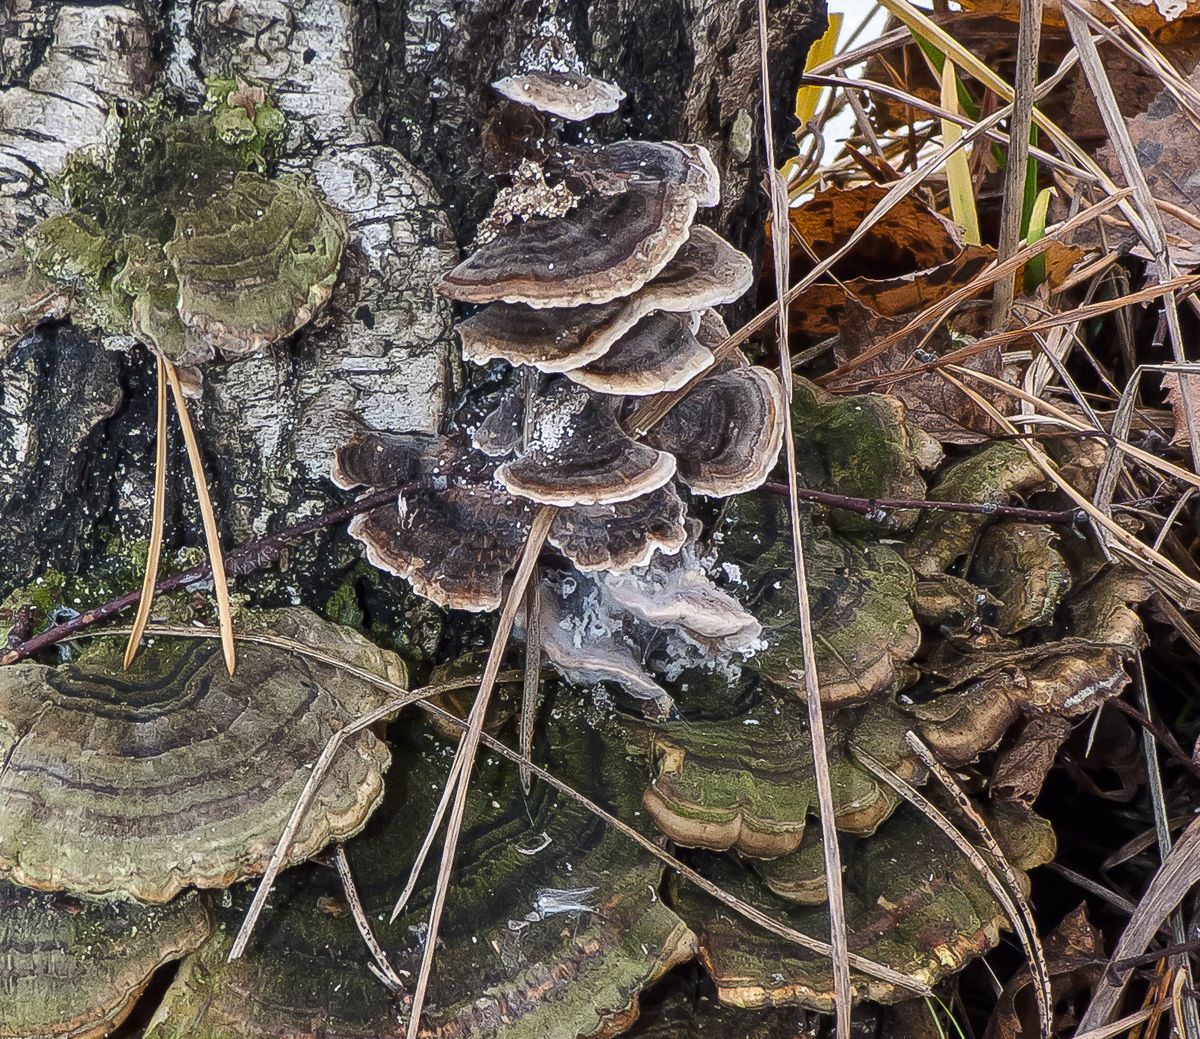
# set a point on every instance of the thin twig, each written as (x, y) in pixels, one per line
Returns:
(867, 506)
(533, 675)
(245, 559)
(780, 242)
(157, 516)
(389, 977)
(212, 535)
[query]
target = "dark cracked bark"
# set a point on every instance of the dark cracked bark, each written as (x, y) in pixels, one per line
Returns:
(386, 101)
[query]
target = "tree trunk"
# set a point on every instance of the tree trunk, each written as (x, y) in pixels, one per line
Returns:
(385, 102)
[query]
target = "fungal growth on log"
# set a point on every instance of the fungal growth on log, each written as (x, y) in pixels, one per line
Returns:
(597, 284)
(141, 800)
(175, 774)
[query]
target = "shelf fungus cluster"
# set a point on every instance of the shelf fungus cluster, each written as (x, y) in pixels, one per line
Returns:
(125, 794)
(595, 283)
(223, 261)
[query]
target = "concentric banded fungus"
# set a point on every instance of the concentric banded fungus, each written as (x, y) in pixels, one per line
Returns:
(570, 95)
(860, 595)
(606, 247)
(73, 969)
(613, 169)
(577, 454)
(913, 902)
(744, 779)
(256, 263)
(982, 691)
(623, 534)
(727, 432)
(174, 773)
(552, 924)
(659, 354)
(455, 537)
(706, 272)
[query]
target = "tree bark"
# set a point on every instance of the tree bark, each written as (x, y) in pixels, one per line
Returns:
(386, 102)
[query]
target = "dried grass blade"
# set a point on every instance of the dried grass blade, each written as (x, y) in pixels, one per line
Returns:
(1029, 35)
(467, 749)
(839, 939)
(532, 681)
(350, 889)
(1177, 875)
(157, 516)
(211, 534)
(1022, 917)
(958, 166)
(1118, 134)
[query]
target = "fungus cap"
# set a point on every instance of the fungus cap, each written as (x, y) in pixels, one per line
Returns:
(455, 537)
(727, 432)
(622, 534)
(572, 95)
(659, 354)
(706, 272)
(577, 454)
(606, 247)
(174, 773)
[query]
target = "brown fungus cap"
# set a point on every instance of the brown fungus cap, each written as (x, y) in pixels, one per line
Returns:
(706, 272)
(606, 247)
(73, 969)
(613, 169)
(623, 534)
(659, 354)
(727, 432)
(578, 455)
(572, 95)
(454, 537)
(174, 773)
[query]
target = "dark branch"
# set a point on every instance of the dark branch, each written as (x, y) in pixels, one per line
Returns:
(868, 506)
(243, 560)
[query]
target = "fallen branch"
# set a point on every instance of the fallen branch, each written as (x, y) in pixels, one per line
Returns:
(243, 560)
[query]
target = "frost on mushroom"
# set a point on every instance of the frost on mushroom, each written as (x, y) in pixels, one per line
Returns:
(174, 773)
(73, 969)
(553, 924)
(577, 454)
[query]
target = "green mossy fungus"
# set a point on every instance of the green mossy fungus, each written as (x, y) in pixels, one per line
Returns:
(181, 236)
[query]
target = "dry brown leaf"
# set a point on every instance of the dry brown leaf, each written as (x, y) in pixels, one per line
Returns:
(1074, 959)
(1167, 143)
(1174, 391)
(933, 403)
(1021, 769)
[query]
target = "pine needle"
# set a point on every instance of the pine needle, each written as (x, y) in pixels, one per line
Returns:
(211, 534)
(157, 517)
(839, 940)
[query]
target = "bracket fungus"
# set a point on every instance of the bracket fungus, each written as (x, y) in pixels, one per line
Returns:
(553, 925)
(567, 93)
(73, 969)
(706, 272)
(577, 454)
(913, 902)
(174, 773)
